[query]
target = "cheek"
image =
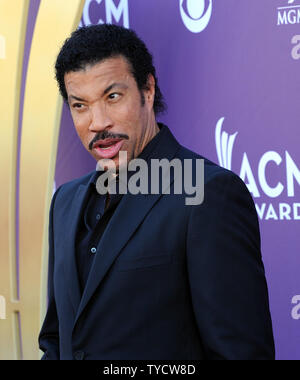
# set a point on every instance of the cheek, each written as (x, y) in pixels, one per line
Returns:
(81, 124)
(128, 112)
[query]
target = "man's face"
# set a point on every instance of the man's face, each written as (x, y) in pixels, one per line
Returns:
(107, 110)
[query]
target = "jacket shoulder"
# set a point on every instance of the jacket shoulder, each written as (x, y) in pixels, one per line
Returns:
(71, 187)
(211, 169)
(83, 180)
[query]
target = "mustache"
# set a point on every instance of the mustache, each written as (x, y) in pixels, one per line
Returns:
(107, 135)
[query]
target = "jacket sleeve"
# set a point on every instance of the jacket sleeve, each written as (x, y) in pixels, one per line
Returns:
(49, 334)
(226, 273)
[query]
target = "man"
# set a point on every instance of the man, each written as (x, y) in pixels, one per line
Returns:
(146, 276)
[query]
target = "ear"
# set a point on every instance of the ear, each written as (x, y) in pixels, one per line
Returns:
(150, 91)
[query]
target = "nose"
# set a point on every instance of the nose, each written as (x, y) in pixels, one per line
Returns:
(100, 119)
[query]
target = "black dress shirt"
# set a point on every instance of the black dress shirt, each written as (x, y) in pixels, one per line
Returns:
(96, 216)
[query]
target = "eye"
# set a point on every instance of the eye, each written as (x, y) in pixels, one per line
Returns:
(113, 96)
(78, 106)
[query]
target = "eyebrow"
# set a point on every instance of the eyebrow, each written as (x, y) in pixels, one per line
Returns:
(76, 98)
(109, 88)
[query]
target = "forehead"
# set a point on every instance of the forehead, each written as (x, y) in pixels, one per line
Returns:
(102, 73)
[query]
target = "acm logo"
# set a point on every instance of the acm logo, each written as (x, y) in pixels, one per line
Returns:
(261, 180)
(105, 11)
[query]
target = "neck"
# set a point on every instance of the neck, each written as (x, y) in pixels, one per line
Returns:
(151, 131)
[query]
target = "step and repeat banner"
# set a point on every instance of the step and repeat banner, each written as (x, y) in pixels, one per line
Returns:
(230, 74)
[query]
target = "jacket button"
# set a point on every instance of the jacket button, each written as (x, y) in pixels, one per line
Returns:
(79, 355)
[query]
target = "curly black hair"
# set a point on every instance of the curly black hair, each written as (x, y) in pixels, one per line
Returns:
(92, 44)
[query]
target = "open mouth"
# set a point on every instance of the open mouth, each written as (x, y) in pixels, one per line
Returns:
(108, 148)
(107, 145)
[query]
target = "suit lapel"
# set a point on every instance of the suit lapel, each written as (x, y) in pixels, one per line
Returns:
(123, 224)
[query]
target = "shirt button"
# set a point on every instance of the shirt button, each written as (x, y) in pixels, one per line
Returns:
(79, 355)
(93, 250)
(98, 216)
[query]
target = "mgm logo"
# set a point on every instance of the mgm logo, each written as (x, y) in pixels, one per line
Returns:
(28, 149)
(288, 14)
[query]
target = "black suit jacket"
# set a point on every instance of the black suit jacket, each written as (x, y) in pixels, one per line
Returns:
(169, 281)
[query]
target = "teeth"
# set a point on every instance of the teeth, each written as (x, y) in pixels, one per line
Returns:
(106, 148)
